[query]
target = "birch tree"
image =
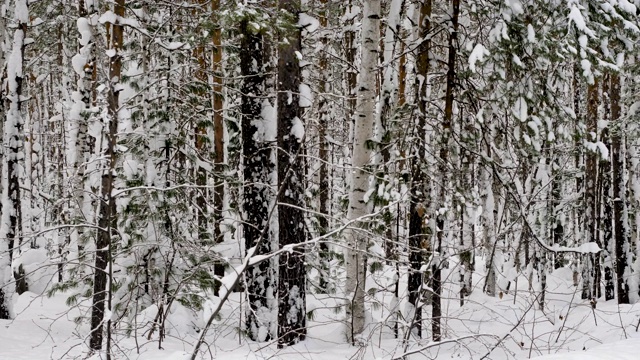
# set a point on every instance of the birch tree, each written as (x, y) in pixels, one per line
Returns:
(355, 258)
(13, 159)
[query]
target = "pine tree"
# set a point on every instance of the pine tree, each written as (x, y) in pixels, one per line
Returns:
(256, 117)
(443, 168)
(622, 241)
(101, 302)
(418, 236)
(291, 224)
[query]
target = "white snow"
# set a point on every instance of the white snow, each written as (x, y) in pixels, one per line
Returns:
(575, 16)
(308, 23)
(476, 55)
(78, 62)
(587, 248)
(531, 34)
(520, 109)
(627, 6)
(84, 28)
(306, 96)
(44, 327)
(621, 350)
(515, 6)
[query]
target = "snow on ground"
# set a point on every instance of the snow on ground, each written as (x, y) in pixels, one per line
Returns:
(621, 350)
(510, 326)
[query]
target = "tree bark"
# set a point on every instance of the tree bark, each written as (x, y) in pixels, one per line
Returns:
(355, 258)
(324, 197)
(201, 137)
(257, 196)
(107, 213)
(418, 239)
(436, 266)
(591, 263)
(622, 243)
(13, 134)
(291, 228)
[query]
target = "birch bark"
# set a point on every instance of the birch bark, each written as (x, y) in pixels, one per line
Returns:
(363, 131)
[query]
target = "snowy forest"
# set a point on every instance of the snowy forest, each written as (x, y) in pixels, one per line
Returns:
(319, 179)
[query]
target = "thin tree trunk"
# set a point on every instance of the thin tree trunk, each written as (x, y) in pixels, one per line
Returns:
(350, 50)
(591, 264)
(490, 240)
(323, 152)
(621, 226)
(218, 141)
(605, 221)
(106, 220)
(555, 223)
(436, 266)
(578, 165)
(201, 138)
(605, 211)
(386, 113)
(418, 240)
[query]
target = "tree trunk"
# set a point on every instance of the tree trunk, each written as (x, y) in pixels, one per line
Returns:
(323, 152)
(257, 195)
(605, 221)
(418, 239)
(10, 220)
(443, 169)
(591, 263)
(218, 140)
(622, 239)
(106, 220)
(292, 272)
(489, 218)
(201, 138)
(365, 120)
(555, 223)
(577, 221)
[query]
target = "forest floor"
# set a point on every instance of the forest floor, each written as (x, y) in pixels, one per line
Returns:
(510, 326)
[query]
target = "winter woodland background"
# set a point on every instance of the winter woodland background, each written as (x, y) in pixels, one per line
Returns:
(318, 179)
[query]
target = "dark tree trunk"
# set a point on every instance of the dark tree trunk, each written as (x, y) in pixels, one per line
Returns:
(257, 168)
(557, 228)
(323, 153)
(606, 219)
(622, 236)
(591, 261)
(577, 220)
(106, 220)
(443, 169)
(218, 142)
(418, 241)
(605, 211)
(292, 272)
